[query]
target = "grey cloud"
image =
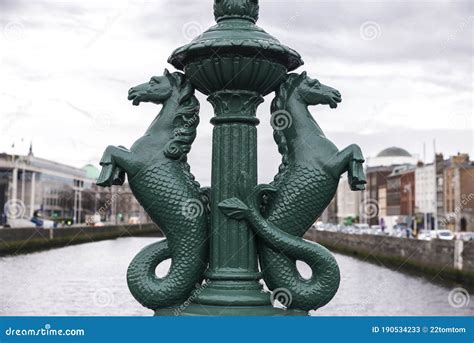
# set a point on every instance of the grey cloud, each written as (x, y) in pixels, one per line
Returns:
(435, 36)
(409, 29)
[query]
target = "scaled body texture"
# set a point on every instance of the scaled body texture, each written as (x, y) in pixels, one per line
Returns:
(303, 188)
(160, 179)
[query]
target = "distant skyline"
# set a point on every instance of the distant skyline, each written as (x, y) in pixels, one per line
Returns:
(404, 69)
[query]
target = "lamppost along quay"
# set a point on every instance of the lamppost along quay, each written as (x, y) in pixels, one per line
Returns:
(224, 240)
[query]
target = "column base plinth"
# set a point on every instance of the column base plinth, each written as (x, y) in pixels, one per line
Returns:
(228, 311)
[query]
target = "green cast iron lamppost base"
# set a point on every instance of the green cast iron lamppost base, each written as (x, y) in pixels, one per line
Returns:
(223, 240)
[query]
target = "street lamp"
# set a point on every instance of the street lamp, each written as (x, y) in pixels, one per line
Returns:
(211, 234)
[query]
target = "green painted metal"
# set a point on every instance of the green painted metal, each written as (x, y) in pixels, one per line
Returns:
(160, 180)
(237, 231)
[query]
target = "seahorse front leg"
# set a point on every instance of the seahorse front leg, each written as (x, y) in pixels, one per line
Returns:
(115, 162)
(351, 160)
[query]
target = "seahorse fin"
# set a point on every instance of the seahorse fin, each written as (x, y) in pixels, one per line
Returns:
(265, 190)
(233, 208)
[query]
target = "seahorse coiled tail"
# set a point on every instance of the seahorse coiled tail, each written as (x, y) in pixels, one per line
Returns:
(306, 294)
(302, 194)
(173, 199)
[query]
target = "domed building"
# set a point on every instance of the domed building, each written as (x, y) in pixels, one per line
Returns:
(387, 174)
(372, 205)
(392, 156)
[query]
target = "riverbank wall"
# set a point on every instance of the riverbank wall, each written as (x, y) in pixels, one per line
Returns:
(442, 259)
(18, 241)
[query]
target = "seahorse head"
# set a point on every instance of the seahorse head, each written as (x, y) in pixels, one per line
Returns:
(181, 117)
(305, 90)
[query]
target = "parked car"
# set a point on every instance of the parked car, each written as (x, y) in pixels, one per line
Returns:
(134, 220)
(43, 223)
(424, 235)
(466, 236)
(348, 229)
(19, 223)
(446, 235)
(362, 228)
(398, 232)
(319, 226)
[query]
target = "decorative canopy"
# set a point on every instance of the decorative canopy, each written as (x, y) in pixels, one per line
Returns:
(236, 33)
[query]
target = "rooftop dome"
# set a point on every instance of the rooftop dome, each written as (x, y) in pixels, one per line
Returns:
(394, 152)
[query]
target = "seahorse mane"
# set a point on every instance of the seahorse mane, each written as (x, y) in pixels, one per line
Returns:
(186, 118)
(186, 122)
(280, 102)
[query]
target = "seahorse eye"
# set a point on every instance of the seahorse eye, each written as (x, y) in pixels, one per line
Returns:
(154, 80)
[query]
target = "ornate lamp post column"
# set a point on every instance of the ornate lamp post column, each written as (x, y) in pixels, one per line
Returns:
(235, 63)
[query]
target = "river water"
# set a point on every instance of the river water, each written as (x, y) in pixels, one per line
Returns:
(89, 279)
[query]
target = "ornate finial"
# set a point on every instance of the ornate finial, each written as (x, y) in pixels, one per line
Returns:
(242, 9)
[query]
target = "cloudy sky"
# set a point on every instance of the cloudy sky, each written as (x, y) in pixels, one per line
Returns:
(404, 68)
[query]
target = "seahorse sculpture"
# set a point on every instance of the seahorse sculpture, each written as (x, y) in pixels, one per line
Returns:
(306, 183)
(160, 178)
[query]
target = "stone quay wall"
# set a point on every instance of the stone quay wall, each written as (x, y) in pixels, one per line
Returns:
(453, 260)
(17, 241)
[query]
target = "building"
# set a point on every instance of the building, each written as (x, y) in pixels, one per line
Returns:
(425, 194)
(376, 180)
(372, 206)
(382, 201)
(440, 166)
(378, 170)
(60, 192)
(330, 213)
(407, 193)
(29, 184)
(393, 191)
(400, 195)
(348, 202)
(459, 194)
